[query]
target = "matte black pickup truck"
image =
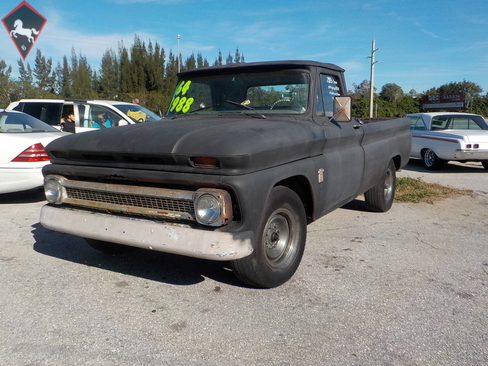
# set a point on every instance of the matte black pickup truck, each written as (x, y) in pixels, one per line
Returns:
(248, 155)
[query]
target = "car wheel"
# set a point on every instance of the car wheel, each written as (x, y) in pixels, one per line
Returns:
(485, 164)
(380, 197)
(279, 242)
(109, 248)
(431, 160)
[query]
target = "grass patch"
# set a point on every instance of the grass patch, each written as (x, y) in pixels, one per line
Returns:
(416, 190)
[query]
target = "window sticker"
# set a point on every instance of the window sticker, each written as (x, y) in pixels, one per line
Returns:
(181, 103)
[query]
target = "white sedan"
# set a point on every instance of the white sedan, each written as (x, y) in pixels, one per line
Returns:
(22, 154)
(442, 136)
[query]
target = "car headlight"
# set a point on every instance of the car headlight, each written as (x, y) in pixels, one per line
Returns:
(212, 207)
(54, 190)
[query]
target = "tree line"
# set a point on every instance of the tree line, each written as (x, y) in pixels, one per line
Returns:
(145, 72)
(391, 101)
(141, 71)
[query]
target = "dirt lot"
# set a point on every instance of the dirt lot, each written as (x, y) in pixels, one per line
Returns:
(408, 287)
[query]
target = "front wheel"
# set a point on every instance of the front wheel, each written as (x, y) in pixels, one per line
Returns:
(380, 197)
(279, 243)
(431, 160)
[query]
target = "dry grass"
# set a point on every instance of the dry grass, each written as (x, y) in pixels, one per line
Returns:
(416, 190)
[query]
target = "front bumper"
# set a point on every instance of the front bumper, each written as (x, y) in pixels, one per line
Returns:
(147, 234)
(471, 154)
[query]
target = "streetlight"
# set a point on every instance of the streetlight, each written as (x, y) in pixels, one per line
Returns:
(179, 61)
(371, 79)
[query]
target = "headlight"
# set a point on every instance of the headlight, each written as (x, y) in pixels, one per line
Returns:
(207, 208)
(54, 190)
(212, 207)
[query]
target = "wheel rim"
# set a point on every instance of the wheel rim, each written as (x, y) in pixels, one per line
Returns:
(389, 184)
(429, 157)
(279, 237)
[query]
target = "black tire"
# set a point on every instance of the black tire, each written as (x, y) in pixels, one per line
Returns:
(380, 197)
(279, 244)
(431, 160)
(109, 248)
(485, 164)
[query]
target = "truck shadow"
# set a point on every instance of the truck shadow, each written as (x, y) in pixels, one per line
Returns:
(150, 265)
(30, 196)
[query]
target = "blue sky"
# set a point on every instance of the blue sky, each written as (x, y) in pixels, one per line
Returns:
(421, 43)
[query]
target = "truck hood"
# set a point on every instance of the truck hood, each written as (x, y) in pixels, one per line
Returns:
(241, 144)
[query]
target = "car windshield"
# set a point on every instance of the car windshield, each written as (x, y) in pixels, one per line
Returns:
(137, 113)
(259, 93)
(16, 122)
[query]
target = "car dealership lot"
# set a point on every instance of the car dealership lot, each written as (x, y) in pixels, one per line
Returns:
(406, 287)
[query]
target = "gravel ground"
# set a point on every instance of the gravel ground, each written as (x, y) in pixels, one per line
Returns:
(406, 287)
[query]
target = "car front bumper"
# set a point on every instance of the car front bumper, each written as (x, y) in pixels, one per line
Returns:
(147, 234)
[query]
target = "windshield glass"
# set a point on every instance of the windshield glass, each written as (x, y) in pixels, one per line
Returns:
(283, 91)
(137, 113)
(12, 122)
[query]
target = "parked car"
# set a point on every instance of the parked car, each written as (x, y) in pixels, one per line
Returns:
(87, 112)
(443, 136)
(22, 154)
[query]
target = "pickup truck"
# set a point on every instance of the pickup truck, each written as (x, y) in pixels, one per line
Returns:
(248, 155)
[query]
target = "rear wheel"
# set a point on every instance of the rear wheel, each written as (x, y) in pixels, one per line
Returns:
(107, 247)
(279, 243)
(431, 160)
(380, 197)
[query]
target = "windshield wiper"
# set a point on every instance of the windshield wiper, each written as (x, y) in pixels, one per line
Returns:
(245, 105)
(203, 108)
(195, 110)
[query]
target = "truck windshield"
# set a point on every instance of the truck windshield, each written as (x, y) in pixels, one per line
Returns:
(284, 91)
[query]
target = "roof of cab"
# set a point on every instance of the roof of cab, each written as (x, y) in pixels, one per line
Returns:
(265, 65)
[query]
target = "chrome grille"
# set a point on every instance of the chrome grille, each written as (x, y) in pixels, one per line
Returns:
(133, 200)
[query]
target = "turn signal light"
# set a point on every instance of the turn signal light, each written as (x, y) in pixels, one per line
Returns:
(204, 162)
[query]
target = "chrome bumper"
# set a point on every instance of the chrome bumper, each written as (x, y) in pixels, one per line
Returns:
(471, 154)
(147, 234)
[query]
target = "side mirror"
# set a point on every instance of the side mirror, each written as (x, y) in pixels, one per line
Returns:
(342, 109)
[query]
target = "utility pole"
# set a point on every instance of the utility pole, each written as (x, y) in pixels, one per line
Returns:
(371, 79)
(179, 61)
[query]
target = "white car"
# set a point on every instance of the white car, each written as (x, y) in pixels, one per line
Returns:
(88, 113)
(22, 154)
(442, 136)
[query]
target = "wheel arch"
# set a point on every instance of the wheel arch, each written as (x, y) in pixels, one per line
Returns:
(397, 160)
(301, 186)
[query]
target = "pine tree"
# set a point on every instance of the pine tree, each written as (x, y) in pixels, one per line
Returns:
(109, 76)
(5, 82)
(44, 79)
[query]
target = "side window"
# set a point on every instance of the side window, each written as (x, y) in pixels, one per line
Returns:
(93, 116)
(439, 123)
(46, 112)
(417, 124)
(102, 117)
(464, 123)
(328, 89)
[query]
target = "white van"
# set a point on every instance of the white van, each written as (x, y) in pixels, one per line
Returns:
(87, 112)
